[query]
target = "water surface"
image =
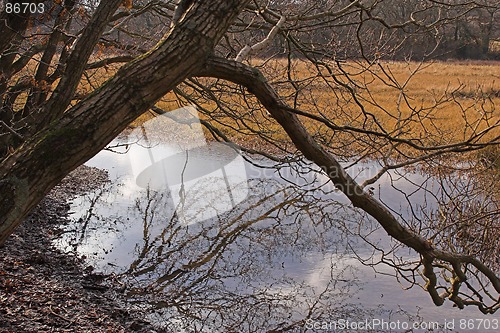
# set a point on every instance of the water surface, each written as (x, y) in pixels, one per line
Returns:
(211, 241)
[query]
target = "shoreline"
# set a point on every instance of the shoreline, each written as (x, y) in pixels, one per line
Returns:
(45, 290)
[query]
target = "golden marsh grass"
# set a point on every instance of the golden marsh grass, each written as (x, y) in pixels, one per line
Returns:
(436, 103)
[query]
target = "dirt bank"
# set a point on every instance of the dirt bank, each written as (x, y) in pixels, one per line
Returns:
(44, 290)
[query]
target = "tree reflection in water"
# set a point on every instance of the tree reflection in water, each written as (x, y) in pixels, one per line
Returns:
(289, 253)
(273, 261)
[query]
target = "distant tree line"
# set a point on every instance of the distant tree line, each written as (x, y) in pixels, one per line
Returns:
(389, 29)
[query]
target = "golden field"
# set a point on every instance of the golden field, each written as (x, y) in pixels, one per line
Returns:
(439, 103)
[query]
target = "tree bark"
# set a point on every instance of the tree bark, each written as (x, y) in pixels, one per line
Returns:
(81, 132)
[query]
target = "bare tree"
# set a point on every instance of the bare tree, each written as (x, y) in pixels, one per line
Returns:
(57, 113)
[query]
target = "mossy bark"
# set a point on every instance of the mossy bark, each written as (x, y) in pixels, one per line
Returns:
(81, 132)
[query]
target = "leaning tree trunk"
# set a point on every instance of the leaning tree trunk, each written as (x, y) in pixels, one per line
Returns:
(81, 132)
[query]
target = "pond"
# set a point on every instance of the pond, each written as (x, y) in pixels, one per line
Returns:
(210, 240)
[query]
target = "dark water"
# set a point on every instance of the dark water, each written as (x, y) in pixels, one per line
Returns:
(208, 241)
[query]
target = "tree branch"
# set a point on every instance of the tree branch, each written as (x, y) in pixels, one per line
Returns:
(247, 49)
(255, 82)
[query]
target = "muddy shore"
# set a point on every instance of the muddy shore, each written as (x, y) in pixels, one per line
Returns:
(45, 290)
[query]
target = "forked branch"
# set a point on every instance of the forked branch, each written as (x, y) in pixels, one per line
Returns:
(256, 83)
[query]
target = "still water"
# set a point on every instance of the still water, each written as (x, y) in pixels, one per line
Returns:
(211, 241)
